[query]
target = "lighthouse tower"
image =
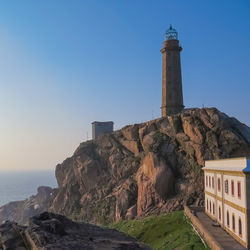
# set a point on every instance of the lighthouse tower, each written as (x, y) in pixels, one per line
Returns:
(172, 97)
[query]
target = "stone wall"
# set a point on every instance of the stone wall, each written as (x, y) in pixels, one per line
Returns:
(210, 240)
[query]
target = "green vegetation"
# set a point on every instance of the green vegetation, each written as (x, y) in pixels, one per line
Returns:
(195, 171)
(158, 138)
(171, 231)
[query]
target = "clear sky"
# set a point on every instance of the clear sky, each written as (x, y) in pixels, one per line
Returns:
(64, 64)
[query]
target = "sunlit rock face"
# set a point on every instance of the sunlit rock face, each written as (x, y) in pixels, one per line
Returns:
(153, 167)
(149, 167)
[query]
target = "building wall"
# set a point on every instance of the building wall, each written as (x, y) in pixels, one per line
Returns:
(237, 215)
(248, 205)
(234, 198)
(99, 128)
(210, 209)
(210, 182)
(227, 202)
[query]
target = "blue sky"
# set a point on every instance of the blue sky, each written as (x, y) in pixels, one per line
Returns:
(64, 64)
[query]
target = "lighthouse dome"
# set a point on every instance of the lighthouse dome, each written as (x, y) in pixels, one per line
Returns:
(171, 34)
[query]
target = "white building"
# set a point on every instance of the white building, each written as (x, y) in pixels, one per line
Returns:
(227, 196)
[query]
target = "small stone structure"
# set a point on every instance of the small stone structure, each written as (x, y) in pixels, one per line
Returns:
(99, 128)
(172, 97)
(227, 196)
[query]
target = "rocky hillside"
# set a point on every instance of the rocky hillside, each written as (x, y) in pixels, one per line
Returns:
(153, 167)
(149, 167)
(50, 231)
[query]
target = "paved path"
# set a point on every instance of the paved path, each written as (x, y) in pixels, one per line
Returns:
(226, 240)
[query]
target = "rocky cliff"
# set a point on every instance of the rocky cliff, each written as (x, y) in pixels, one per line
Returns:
(153, 167)
(51, 231)
(149, 167)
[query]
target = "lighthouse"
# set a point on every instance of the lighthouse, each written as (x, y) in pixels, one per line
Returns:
(172, 97)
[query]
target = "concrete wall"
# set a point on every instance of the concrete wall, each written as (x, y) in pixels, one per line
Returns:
(99, 128)
(210, 240)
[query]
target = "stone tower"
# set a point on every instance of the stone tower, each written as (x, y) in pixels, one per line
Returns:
(172, 98)
(99, 128)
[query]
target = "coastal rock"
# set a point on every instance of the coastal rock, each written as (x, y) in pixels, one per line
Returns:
(152, 167)
(21, 211)
(154, 156)
(52, 231)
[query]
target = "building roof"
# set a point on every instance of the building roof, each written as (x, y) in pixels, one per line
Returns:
(96, 122)
(232, 164)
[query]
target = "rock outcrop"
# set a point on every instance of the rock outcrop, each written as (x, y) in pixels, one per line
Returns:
(149, 167)
(153, 167)
(51, 231)
(21, 211)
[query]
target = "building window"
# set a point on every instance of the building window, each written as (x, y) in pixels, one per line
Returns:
(210, 207)
(240, 227)
(213, 209)
(226, 186)
(219, 213)
(233, 222)
(219, 184)
(228, 219)
(212, 182)
(239, 189)
(206, 180)
(209, 181)
(232, 187)
(207, 204)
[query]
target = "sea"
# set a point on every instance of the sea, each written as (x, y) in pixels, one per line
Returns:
(19, 185)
